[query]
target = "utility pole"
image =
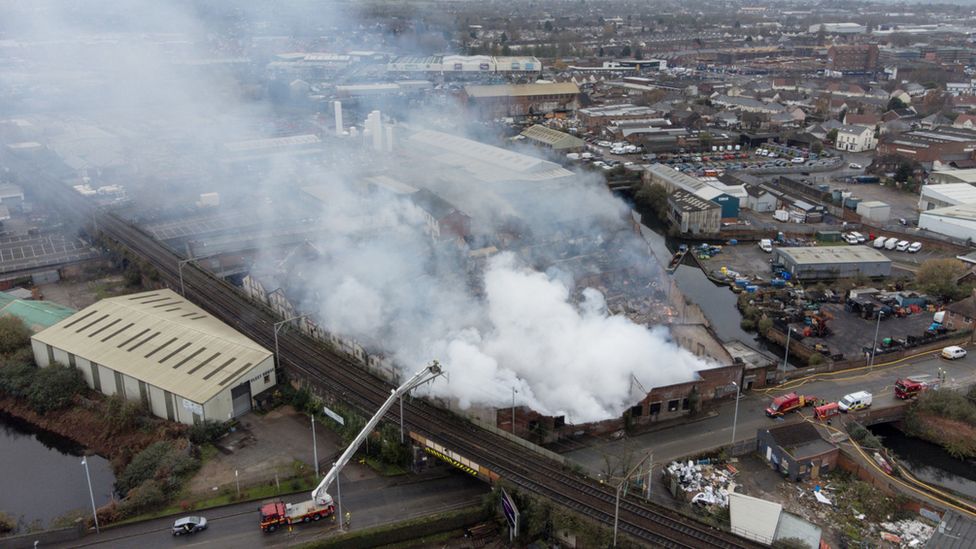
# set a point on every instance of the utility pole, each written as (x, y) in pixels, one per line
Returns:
(277, 328)
(315, 447)
(179, 268)
(877, 328)
(735, 417)
(786, 357)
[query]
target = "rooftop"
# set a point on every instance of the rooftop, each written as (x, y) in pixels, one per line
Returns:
(962, 193)
(833, 254)
(160, 338)
(964, 212)
(522, 90)
(37, 315)
(553, 138)
(963, 176)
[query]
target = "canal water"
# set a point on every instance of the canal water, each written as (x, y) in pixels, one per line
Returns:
(929, 462)
(43, 477)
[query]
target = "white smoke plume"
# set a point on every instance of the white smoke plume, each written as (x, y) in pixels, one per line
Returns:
(518, 322)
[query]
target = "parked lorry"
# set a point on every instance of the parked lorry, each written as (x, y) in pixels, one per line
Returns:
(789, 402)
(277, 514)
(911, 387)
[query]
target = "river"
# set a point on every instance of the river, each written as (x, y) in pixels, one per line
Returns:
(929, 462)
(43, 476)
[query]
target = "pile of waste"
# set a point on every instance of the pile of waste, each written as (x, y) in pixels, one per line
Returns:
(906, 533)
(704, 482)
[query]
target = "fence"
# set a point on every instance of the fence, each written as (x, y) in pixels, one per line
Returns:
(520, 441)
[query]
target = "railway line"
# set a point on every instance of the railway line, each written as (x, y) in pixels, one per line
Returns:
(650, 524)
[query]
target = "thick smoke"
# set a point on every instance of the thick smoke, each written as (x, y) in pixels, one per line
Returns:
(516, 320)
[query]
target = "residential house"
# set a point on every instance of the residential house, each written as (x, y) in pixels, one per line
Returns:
(960, 315)
(967, 121)
(855, 139)
(866, 120)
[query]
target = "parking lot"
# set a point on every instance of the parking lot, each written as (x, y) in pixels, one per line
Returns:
(849, 333)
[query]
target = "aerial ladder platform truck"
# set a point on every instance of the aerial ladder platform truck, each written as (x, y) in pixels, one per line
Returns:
(277, 514)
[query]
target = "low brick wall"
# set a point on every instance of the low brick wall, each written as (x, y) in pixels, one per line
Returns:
(43, 538)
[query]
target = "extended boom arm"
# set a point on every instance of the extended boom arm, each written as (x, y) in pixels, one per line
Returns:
(319, 495)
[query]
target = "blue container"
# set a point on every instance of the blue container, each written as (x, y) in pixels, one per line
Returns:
(733, 242)
(752, 288)
(778, 283)
(742, 282)
(786, 275)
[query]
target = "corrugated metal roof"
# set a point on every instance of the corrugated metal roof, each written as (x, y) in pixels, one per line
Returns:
(753, 518)
(162, 339)
(554, 138)
(954, 532)
(521, 90)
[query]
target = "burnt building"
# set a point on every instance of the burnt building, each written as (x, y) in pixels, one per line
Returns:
(853, 58)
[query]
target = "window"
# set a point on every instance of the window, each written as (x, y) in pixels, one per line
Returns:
(267, 379)
(686, 404)
(654, 409)
(637, 411)
(673, 405)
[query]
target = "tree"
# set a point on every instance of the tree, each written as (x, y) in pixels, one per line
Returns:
(903, 172)
(54, 388)
(653, 198)
(832, 135)
(625, 52)
(600, 53)
(816, 147)
(548, 26)
(14, 334)
(895, 103)
(937, 277)
(705, 139)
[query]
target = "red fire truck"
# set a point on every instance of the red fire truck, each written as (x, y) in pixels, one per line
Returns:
(787, 403)
(911, 387)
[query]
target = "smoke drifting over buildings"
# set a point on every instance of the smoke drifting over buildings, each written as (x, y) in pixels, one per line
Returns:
(502, 294)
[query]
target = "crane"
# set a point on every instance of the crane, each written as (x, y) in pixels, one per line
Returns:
(429, 372)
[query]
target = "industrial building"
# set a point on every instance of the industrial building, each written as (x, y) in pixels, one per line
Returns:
(159, 349)
(691, 214)
(521, 99)
(797, 451)
(953, 176)
(946, 194)
(728, 197)
(874, 210)
(955, 221)
(833, 262)
(553, 139)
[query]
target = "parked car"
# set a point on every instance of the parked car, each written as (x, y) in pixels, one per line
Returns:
(189, 525)
(953, 352)
(915, 247)
(855, 166)
(902, 245)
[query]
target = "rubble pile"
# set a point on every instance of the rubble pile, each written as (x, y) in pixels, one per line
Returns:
(907, 533)
(704, 482)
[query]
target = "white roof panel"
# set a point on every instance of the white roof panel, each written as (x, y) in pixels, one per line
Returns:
(162, 339)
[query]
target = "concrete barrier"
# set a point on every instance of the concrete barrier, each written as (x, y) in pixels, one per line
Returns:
(44, 537)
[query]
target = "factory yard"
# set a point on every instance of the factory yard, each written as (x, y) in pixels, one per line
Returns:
(851, 335)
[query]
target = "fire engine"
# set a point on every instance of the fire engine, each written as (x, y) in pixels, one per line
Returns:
(787, 403)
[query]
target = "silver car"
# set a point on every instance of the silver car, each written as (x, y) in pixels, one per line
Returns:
(189, 525)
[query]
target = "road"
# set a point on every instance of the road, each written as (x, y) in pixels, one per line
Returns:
(715, 430)
(370, 502)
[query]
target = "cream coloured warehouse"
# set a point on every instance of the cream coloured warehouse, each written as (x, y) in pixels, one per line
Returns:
(159, 348)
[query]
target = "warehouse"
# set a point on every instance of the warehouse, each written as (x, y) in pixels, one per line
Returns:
(833, 262)
(159, 349)
(691, 214)
(946, 194)
(955, 221)
(874, 210)
(553, 139)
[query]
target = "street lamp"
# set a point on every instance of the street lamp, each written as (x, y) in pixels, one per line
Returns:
(179, 268)
(277, 327)
(735, 417)
(91, 494)
(786, 357)
(514, 390)
(315, 447)
(874, 348)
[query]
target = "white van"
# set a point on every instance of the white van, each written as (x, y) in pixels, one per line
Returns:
(953, 352)
(891, 243)
(902, 245)
(766, 245)
(855, 401)
(860, 237)
(880, 242)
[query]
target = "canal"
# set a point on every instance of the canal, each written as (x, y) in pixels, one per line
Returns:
(43, 477)
(929, 462)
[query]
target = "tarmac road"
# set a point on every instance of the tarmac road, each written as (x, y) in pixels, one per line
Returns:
(370, 502)
(715, 430)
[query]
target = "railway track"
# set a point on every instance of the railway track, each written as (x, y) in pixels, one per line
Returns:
(651, 524)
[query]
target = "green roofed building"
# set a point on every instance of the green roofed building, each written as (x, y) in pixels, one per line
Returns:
(37, 315)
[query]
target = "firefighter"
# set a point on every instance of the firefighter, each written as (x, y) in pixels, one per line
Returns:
(348, 518)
